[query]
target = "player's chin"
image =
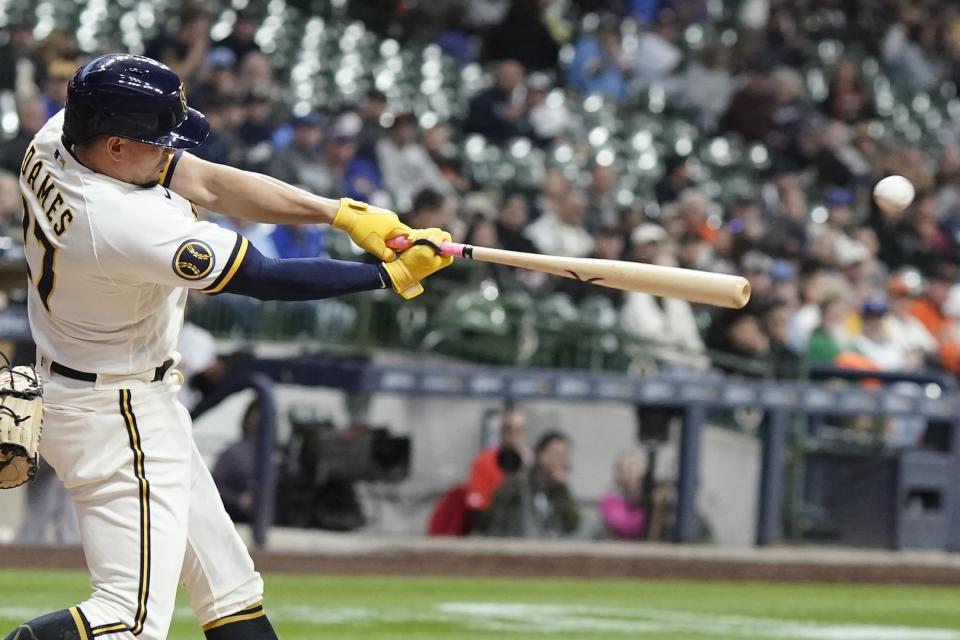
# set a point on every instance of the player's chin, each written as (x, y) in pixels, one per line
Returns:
(149, 184)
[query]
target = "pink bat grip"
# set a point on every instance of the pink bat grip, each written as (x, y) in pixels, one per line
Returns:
(401, 243)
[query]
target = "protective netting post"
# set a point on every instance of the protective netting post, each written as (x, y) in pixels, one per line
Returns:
(694, 418)
(769, 511)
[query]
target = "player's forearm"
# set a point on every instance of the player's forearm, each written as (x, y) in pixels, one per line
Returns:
(247, 195)
(260, 198)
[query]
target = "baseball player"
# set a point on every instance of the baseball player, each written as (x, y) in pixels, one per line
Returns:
(113, 243)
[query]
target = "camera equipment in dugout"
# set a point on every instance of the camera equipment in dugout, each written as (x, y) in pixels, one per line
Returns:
(322, 464)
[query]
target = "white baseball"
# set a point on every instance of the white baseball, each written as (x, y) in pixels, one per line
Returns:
(893, 194)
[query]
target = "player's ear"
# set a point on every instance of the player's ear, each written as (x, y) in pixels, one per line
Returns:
(115, 147)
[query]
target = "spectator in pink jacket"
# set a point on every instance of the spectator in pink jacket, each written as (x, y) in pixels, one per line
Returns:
(624, 516)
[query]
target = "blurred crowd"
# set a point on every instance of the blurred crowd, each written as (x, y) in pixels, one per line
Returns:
(835, 280)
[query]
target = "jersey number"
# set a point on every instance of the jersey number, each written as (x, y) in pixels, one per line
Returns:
(47, 279)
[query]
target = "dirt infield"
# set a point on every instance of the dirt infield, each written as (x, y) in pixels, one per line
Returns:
(357, 555)
(599, 567)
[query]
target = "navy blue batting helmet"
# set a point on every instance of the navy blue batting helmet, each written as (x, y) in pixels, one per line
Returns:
(133, 97)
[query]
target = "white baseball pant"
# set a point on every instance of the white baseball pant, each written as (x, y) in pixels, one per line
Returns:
(149, 513)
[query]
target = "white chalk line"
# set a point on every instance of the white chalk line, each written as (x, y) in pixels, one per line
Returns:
(581, 620)
(559, 619)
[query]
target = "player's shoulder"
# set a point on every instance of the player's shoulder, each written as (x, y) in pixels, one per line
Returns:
(138, 200)
(106, 195)
(132, 211)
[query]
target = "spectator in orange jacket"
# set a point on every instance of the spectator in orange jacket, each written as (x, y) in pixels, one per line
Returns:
(929, 310)
(485, 472)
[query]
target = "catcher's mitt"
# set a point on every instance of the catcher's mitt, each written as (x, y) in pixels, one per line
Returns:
(21, 419)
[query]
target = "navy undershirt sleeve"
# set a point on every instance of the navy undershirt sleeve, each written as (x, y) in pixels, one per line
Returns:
(266, 278)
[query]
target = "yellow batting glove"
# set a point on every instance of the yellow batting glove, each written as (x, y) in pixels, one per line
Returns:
(370, 227)
(418, 262)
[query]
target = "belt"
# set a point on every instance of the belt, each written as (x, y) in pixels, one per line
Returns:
(63, 370)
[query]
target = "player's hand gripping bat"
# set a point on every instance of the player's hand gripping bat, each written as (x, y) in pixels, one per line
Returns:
(691, 285)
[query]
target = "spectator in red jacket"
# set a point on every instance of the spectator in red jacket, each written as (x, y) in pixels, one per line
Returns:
(485, 472)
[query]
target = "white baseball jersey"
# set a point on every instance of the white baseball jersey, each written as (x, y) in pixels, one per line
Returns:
(109, 262)
(109, 267)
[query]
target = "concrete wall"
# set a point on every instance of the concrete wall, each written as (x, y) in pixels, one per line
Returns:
(11, 506)
(448, 433)
(729, 485)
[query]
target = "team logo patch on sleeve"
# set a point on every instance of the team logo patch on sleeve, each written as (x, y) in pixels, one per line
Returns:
(194, 260)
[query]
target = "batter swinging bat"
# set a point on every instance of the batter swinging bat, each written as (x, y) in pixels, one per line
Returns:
(669, 282)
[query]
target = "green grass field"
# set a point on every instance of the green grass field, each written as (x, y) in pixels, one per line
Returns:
(333, 608)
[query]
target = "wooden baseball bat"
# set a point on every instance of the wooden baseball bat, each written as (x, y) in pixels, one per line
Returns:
(691, 285)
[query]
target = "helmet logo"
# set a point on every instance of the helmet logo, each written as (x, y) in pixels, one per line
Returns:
(183, 98)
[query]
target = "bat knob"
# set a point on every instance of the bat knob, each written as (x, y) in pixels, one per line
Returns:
(398, 243)
(402, 243)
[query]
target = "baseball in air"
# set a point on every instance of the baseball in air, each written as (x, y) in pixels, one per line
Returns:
(893, 194)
